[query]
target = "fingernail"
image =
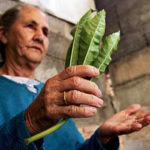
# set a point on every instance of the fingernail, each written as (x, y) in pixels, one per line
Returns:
(92, 110)
(148, 119)
(100, 94)
(96, 71)
(100, 102)
(138, 126)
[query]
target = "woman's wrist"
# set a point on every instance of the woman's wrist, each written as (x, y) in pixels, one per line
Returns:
(37, 123)
(105, 138)
(29, 124)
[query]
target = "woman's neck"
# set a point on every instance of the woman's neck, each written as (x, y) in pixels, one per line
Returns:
(17, 70)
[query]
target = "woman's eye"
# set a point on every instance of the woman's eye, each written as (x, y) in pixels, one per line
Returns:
(30, 26)
(45, 32)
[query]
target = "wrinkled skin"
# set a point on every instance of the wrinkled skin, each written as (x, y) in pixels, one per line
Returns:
(28, 36)
(81, 91)
(26, 44)
(78, 91)
(126, 121)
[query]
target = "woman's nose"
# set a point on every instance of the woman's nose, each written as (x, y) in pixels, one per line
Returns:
(39, 37)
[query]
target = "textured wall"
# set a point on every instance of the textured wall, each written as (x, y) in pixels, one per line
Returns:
(133, 19)
(130, 70)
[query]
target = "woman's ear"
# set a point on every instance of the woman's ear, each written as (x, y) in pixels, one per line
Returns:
(3, 37)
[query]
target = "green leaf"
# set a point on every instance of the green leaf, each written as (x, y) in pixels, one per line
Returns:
(73, 55)
(91, 36)
(104, 57)
(67, 61)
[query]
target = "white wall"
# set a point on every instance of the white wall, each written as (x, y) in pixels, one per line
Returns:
(70, 10)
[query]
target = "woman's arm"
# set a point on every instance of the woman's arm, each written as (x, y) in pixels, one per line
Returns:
(127, 121)
(12, 134)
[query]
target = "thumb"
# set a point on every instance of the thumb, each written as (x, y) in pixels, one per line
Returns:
(132, 109)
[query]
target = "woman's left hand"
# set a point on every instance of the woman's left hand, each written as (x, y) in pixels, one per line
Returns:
(126, 121)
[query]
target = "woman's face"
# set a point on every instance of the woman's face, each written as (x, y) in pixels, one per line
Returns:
(27, 38)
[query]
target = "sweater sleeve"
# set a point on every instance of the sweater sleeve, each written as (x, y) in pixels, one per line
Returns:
(12, 134)
(94, 144)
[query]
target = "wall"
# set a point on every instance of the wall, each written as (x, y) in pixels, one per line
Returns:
(130, 70)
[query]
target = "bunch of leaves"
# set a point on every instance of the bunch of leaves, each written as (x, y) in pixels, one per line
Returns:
(85, 47)
(85, 50)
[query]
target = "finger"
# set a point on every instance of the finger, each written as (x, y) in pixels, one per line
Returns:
(57, 112)
(54, 97)
(77, 97)
(79, 70)
(136, 127)
(133, 125)
(80, 84)
(147, 119)
(144, 120)
(78, 111)
(128, 127)
(141, 113)
(133, 109)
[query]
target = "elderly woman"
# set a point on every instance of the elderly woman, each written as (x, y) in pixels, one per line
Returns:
(27, 106)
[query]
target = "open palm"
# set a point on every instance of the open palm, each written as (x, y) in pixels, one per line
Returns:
(126, 121)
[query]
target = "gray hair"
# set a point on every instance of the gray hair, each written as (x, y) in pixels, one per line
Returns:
(7, 19)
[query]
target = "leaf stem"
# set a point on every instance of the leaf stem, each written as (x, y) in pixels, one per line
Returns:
(46, 132)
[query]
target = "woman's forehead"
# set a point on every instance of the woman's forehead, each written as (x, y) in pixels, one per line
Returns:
(32, 13)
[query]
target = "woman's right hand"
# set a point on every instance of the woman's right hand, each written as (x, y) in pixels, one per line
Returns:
(82, 98)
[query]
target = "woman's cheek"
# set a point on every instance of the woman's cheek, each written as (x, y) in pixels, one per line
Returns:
(21, 49)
